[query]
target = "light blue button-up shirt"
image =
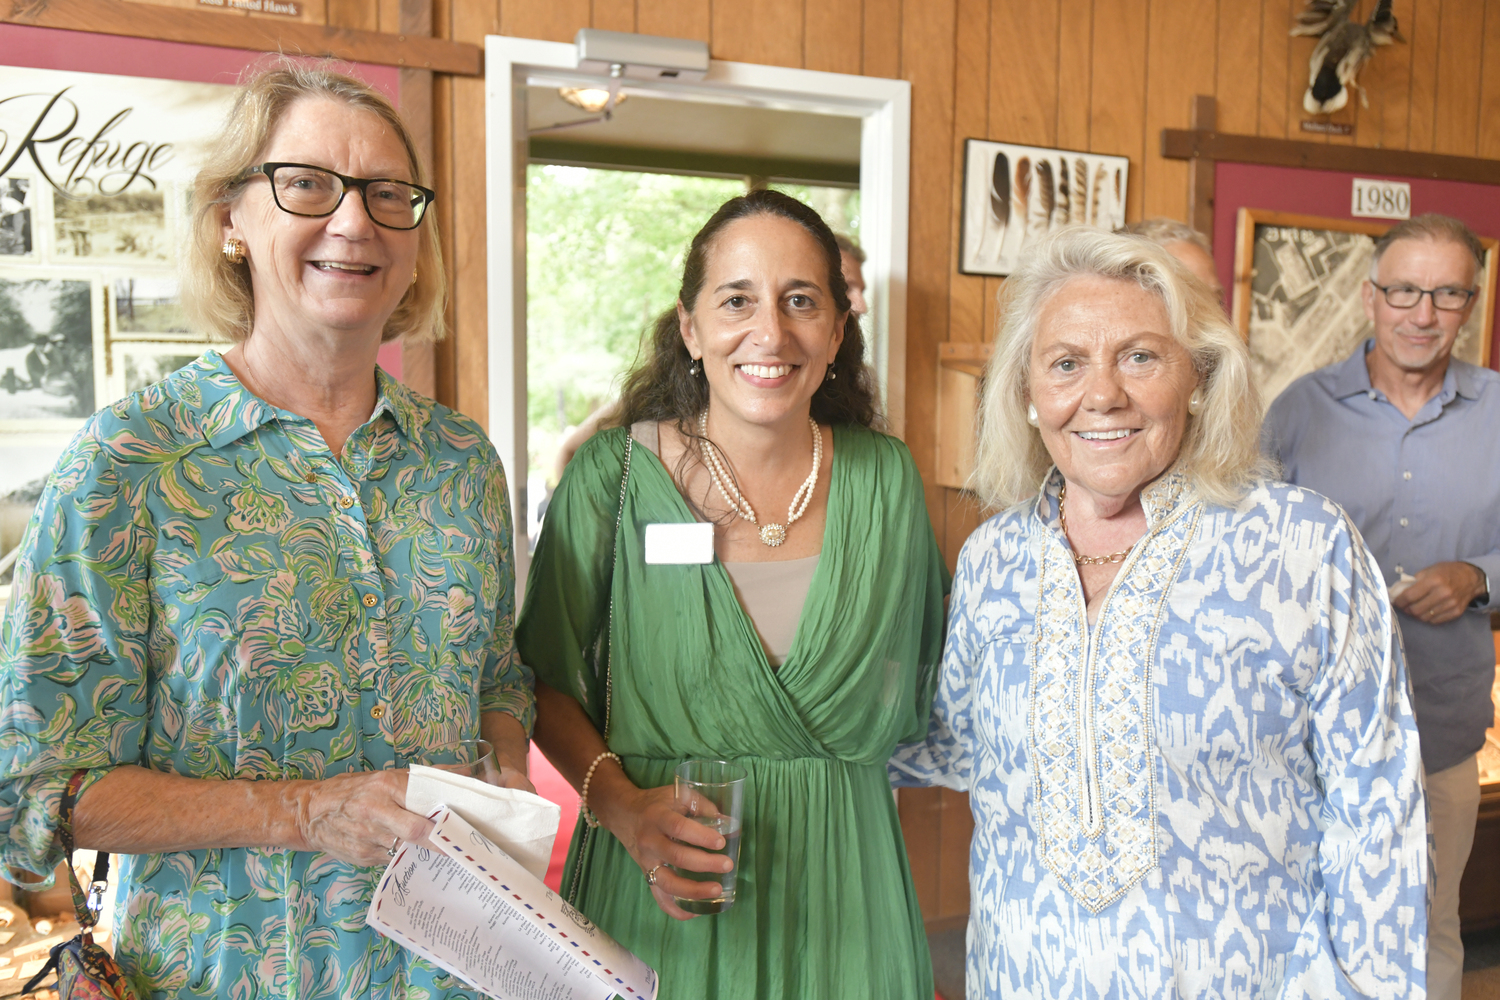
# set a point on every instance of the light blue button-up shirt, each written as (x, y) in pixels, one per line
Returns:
(1421, 491)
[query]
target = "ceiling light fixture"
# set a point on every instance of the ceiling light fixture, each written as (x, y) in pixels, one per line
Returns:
(590, 99)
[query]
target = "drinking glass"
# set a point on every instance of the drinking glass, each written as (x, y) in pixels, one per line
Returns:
(712, 792)
(470, 758)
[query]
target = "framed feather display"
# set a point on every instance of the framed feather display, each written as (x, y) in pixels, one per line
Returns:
(1014, 194)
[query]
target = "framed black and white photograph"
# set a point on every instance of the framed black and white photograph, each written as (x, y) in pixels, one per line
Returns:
(147, 306)
(1015, 194)
(1297, 298)
(16, 217)
(137, 364)
(49, 351)
(130, 227)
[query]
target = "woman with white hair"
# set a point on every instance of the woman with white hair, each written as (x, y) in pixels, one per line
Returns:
(1172, 687)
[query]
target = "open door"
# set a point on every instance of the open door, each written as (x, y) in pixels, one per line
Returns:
(883, 108)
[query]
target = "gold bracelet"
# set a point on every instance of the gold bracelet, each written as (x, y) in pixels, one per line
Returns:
(583, 795)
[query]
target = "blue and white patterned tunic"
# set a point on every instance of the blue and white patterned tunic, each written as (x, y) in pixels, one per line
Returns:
(1214, 792)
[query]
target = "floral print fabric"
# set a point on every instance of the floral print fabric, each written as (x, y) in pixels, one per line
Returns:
(1215, 791)
(205, 589)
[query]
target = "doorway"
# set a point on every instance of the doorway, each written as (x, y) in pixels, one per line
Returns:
(612, 203)
(522, 81)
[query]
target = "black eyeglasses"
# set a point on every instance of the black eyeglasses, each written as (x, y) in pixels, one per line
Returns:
(313, 192)
(1408, 296)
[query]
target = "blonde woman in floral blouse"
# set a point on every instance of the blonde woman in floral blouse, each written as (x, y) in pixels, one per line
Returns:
(251, 593)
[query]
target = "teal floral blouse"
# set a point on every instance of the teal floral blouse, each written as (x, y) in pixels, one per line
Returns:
(205, 589)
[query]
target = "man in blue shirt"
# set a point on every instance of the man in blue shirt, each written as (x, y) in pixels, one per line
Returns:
(1407, 439)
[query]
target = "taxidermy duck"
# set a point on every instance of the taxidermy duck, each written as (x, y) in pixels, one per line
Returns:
(1344, 47)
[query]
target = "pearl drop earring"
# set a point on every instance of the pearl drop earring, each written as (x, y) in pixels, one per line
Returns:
(1031, 415)
(1195, 402)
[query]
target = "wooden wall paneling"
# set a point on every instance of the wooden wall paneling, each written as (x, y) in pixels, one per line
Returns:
(1489, 86)
(954, 836)
(1182, 57)
(992, 288)
(1185, 144)
(962, 515)
(388, 16)
(674, 19)
(236, 31)
(1393, 82)
(921, 812)
(613, 15)
(1424, 34)
(1299, 53)
(1461, 42)
(769, 32)
(359, 14)
(549, 20)
(313, 12)
(1200, 193)
(833, 29)
(414, 17)
(1118, 103)
(1024, 72)
(445, 351)
(1385, 78)
(928, 60)
(1275, 46)
(971, 94)
(882, 38)
(1075, 71)
(469, 332)
(1237, 75)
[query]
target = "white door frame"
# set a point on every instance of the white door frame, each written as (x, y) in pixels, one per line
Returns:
(884, 180)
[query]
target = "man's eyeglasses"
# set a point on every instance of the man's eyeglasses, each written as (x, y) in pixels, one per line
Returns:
(302, 189)
(1407, 296)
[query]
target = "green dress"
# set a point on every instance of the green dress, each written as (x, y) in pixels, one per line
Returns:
(825, 906)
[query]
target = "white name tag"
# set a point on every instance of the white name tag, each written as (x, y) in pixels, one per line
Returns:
(679, 544)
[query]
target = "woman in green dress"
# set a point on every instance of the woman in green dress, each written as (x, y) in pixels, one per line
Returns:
(804, 650)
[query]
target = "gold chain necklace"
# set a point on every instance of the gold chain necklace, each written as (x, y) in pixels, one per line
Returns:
(1083, 560)
(771, 534)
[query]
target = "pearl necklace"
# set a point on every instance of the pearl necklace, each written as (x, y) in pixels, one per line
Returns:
(771, 534)
(1079, 558)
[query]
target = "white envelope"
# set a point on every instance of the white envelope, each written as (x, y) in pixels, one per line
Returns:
(521, 824)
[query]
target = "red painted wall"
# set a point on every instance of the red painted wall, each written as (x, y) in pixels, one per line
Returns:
(1328, 193)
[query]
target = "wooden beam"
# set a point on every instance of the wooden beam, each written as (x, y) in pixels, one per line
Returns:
(1189, 144)
(1203, 116)
(232, 31)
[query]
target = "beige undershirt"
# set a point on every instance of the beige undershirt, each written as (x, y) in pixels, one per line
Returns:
(772, 593)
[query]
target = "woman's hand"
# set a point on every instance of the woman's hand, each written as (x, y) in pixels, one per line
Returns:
(651, 826)
(512, 773)
(357, 817)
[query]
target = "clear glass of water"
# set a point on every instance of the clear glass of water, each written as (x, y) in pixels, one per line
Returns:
(712, 792)
(470, 758)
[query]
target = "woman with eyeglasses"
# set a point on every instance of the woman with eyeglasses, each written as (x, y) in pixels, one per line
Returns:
(253, 592)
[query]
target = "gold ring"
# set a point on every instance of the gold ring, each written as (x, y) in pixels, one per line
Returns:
(651, 875)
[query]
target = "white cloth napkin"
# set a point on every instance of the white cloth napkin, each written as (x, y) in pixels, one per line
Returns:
(521, 824)
(1399, 587)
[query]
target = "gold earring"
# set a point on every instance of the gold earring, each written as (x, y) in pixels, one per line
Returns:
(413, 276)
(234, 251)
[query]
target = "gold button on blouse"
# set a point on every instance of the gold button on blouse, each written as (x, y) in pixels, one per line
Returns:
(370, 600)
(377, 712)
(346, 502)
